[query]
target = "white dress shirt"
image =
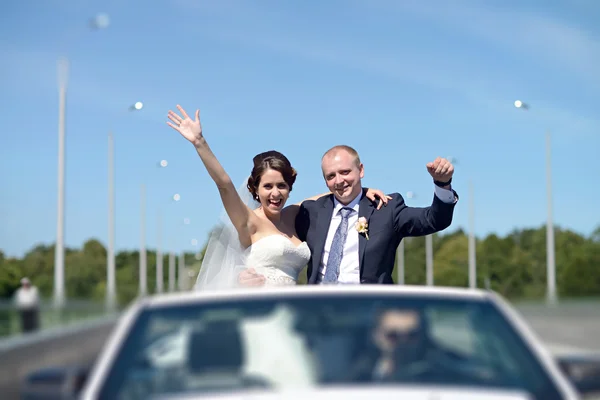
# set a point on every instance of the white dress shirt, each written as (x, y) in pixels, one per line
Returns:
(350, 265)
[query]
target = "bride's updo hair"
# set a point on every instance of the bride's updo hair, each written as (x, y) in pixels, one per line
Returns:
(270, 160)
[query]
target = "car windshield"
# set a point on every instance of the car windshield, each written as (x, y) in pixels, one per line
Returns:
(322, 340)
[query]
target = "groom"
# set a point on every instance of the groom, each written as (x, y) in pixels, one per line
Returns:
(341, 251)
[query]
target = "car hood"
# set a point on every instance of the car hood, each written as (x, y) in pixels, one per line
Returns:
(351, 393)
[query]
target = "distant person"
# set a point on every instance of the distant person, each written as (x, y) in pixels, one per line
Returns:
(27, 301)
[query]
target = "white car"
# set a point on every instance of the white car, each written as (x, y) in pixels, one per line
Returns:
(324, 342)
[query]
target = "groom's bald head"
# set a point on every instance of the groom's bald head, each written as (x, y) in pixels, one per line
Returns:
(343, 172)
(342, 147)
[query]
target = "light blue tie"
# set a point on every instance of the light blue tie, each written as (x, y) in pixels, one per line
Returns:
(332, 270)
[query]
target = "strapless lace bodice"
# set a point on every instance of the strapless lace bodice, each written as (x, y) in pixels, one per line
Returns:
(278, 259)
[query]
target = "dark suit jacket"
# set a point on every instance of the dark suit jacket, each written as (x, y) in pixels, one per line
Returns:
(386, 229)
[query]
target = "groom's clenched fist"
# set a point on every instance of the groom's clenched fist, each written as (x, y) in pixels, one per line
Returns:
(441, 170)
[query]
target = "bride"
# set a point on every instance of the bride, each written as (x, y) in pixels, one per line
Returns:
(258, 230)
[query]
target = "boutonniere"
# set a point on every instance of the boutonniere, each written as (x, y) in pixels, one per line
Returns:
(362, 226)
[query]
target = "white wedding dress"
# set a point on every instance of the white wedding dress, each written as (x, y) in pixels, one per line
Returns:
(274, 351)
(278, 259)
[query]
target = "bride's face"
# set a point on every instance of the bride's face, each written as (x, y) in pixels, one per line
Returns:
(273, 191)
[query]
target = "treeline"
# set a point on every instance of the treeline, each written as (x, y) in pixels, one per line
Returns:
(514, 265)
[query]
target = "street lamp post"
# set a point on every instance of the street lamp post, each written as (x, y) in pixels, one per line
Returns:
(59, 252)
(159, 256)
(195, 243)
(400, 253)
(550, 251)
(472, 272)
(472, 258)
(428, 252)
(143, 269)
(181, 275)
(100, 21)
(172, 256)
(171, 271)
(179, 282)
(429, 246)
(143, 272)
(110, 260)
(429, 259)
(401, 267)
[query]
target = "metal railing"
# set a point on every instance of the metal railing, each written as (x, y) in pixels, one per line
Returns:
(49, 316)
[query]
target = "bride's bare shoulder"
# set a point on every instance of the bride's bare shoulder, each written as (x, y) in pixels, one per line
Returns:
(288, 214)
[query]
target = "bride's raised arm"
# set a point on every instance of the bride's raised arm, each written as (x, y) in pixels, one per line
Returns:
(191, 129)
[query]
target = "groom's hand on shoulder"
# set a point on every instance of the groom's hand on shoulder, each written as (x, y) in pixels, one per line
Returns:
(249, 277)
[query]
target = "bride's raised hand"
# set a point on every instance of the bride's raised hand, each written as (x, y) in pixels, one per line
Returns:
(189, 128)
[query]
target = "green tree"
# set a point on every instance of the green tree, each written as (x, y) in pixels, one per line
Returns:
(451, 262)
(515, 265)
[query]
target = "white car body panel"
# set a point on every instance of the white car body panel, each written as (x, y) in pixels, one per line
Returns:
(374, 393)
(109, 352)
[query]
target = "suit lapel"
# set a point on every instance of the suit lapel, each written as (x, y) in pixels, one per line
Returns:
(365, 209)
(323, 222)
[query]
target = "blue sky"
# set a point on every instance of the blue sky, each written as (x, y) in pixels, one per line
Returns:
(402, 81)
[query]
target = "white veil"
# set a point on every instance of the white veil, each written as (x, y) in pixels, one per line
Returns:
(224, 257)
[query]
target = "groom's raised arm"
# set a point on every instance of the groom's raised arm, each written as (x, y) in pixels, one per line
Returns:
(420, 221)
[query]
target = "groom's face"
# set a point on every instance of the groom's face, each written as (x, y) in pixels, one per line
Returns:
(342, 175)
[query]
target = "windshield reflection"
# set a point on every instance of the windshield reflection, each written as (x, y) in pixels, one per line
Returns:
(322, 341)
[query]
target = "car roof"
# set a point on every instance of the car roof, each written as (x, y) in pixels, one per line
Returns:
(300, 291)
